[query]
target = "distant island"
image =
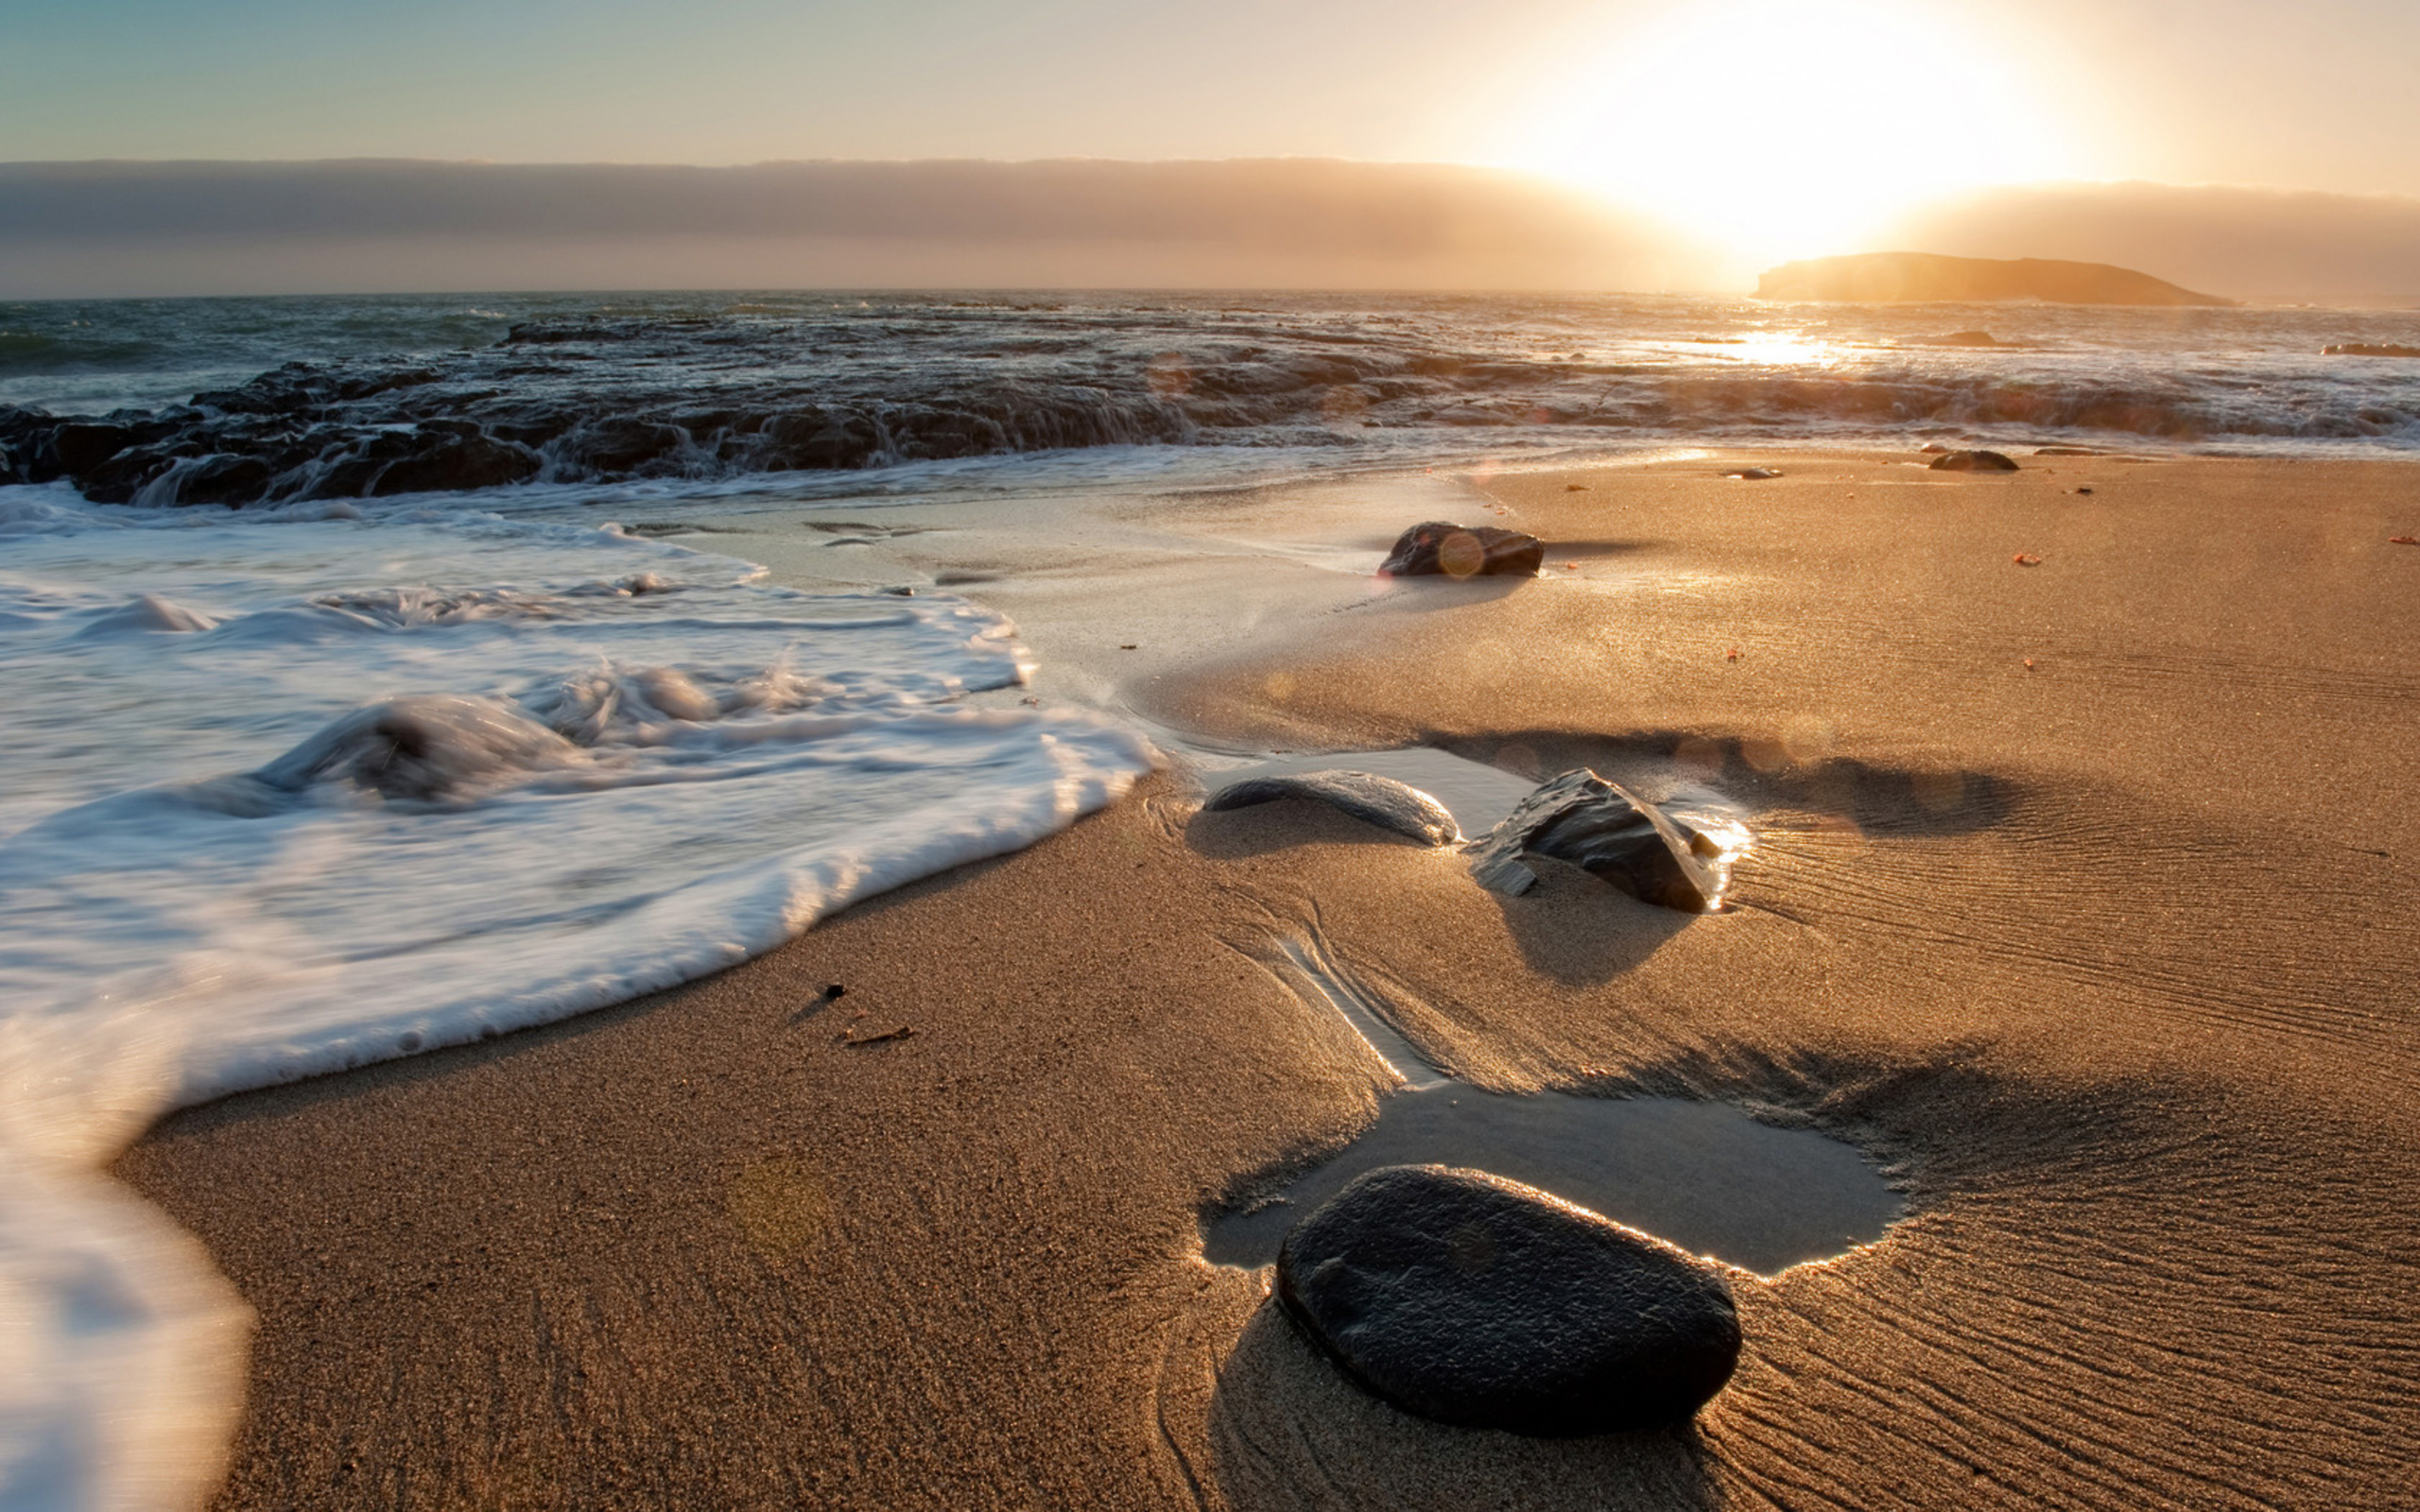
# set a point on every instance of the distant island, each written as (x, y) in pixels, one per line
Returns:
(1912, 278)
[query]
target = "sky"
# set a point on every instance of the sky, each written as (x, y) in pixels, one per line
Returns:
(1764, 126)
(2321, 93)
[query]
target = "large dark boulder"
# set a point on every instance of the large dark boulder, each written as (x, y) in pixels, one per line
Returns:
(1366, 795)
(1607, 831)
(815, 438)
(1974, 462)
(225, 479)
(1442, 548)
(615, 445)
(1471, 1300)
(455, 463)
(81, 446)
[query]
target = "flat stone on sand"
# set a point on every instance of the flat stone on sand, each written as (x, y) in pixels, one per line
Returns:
(1366, 795)
(1440, 548)
(1469, 1299)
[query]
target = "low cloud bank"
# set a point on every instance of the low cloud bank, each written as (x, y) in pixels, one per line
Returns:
(2272, 246)
(368, 227)
(99, 229)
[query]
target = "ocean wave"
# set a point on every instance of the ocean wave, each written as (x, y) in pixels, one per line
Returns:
(278, 807)
(674, 392)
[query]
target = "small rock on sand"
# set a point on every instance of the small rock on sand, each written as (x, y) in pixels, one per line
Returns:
(1440, 548)
(1471, 1300)
(1973, 462)
(1605, 830)
(1366, 795)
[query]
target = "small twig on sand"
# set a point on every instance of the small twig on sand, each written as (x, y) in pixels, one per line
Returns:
(905, 1031)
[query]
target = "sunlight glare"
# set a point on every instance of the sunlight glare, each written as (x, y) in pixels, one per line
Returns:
(1776, 130)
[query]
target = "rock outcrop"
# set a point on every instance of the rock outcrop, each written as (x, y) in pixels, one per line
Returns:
(1917, 278)
(1471, 1300)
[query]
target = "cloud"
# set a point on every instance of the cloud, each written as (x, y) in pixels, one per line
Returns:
(89, 229)
(2271, 245)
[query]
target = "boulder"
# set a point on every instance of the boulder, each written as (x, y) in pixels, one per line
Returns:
(1442, 548)
(1973, 462)
(1475, 1301)
(1605, 830)
(82, 446)
(1366, 795)
(454, 464)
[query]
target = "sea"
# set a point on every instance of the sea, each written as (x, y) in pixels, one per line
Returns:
(353, 708)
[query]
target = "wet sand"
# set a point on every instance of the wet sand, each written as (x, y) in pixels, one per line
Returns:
(2108, 961)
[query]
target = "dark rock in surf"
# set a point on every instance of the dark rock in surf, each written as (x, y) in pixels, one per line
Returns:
(1474, 1300)
(1608, 832)
(1974, 462)
(455, 463)
(1365, 796)
(1440, 548)
(83, 445)
(223, 481)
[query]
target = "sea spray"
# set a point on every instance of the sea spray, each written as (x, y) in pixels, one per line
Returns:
(289, 793)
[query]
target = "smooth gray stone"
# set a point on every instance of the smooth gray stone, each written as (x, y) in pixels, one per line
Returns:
(1366, 795)
(1442, 548)
(1607, 831)
(1471, 1300)
(1973, 462)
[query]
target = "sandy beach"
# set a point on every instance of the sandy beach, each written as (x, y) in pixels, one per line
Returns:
(2082, 901)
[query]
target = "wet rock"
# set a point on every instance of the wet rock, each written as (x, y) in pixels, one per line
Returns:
(1967, 338)
(81, 446)
(815, 439)
(457, 463)
(224, 480)
(1470, 1300)
(1442, 548)
(1366, 795)
(1973, 462)
(2369, 349)
(617, 446)
(1605, 830)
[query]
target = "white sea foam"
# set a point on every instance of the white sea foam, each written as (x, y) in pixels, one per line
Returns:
(291, 795)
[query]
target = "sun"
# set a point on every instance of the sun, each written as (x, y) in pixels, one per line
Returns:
(1777, 129)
